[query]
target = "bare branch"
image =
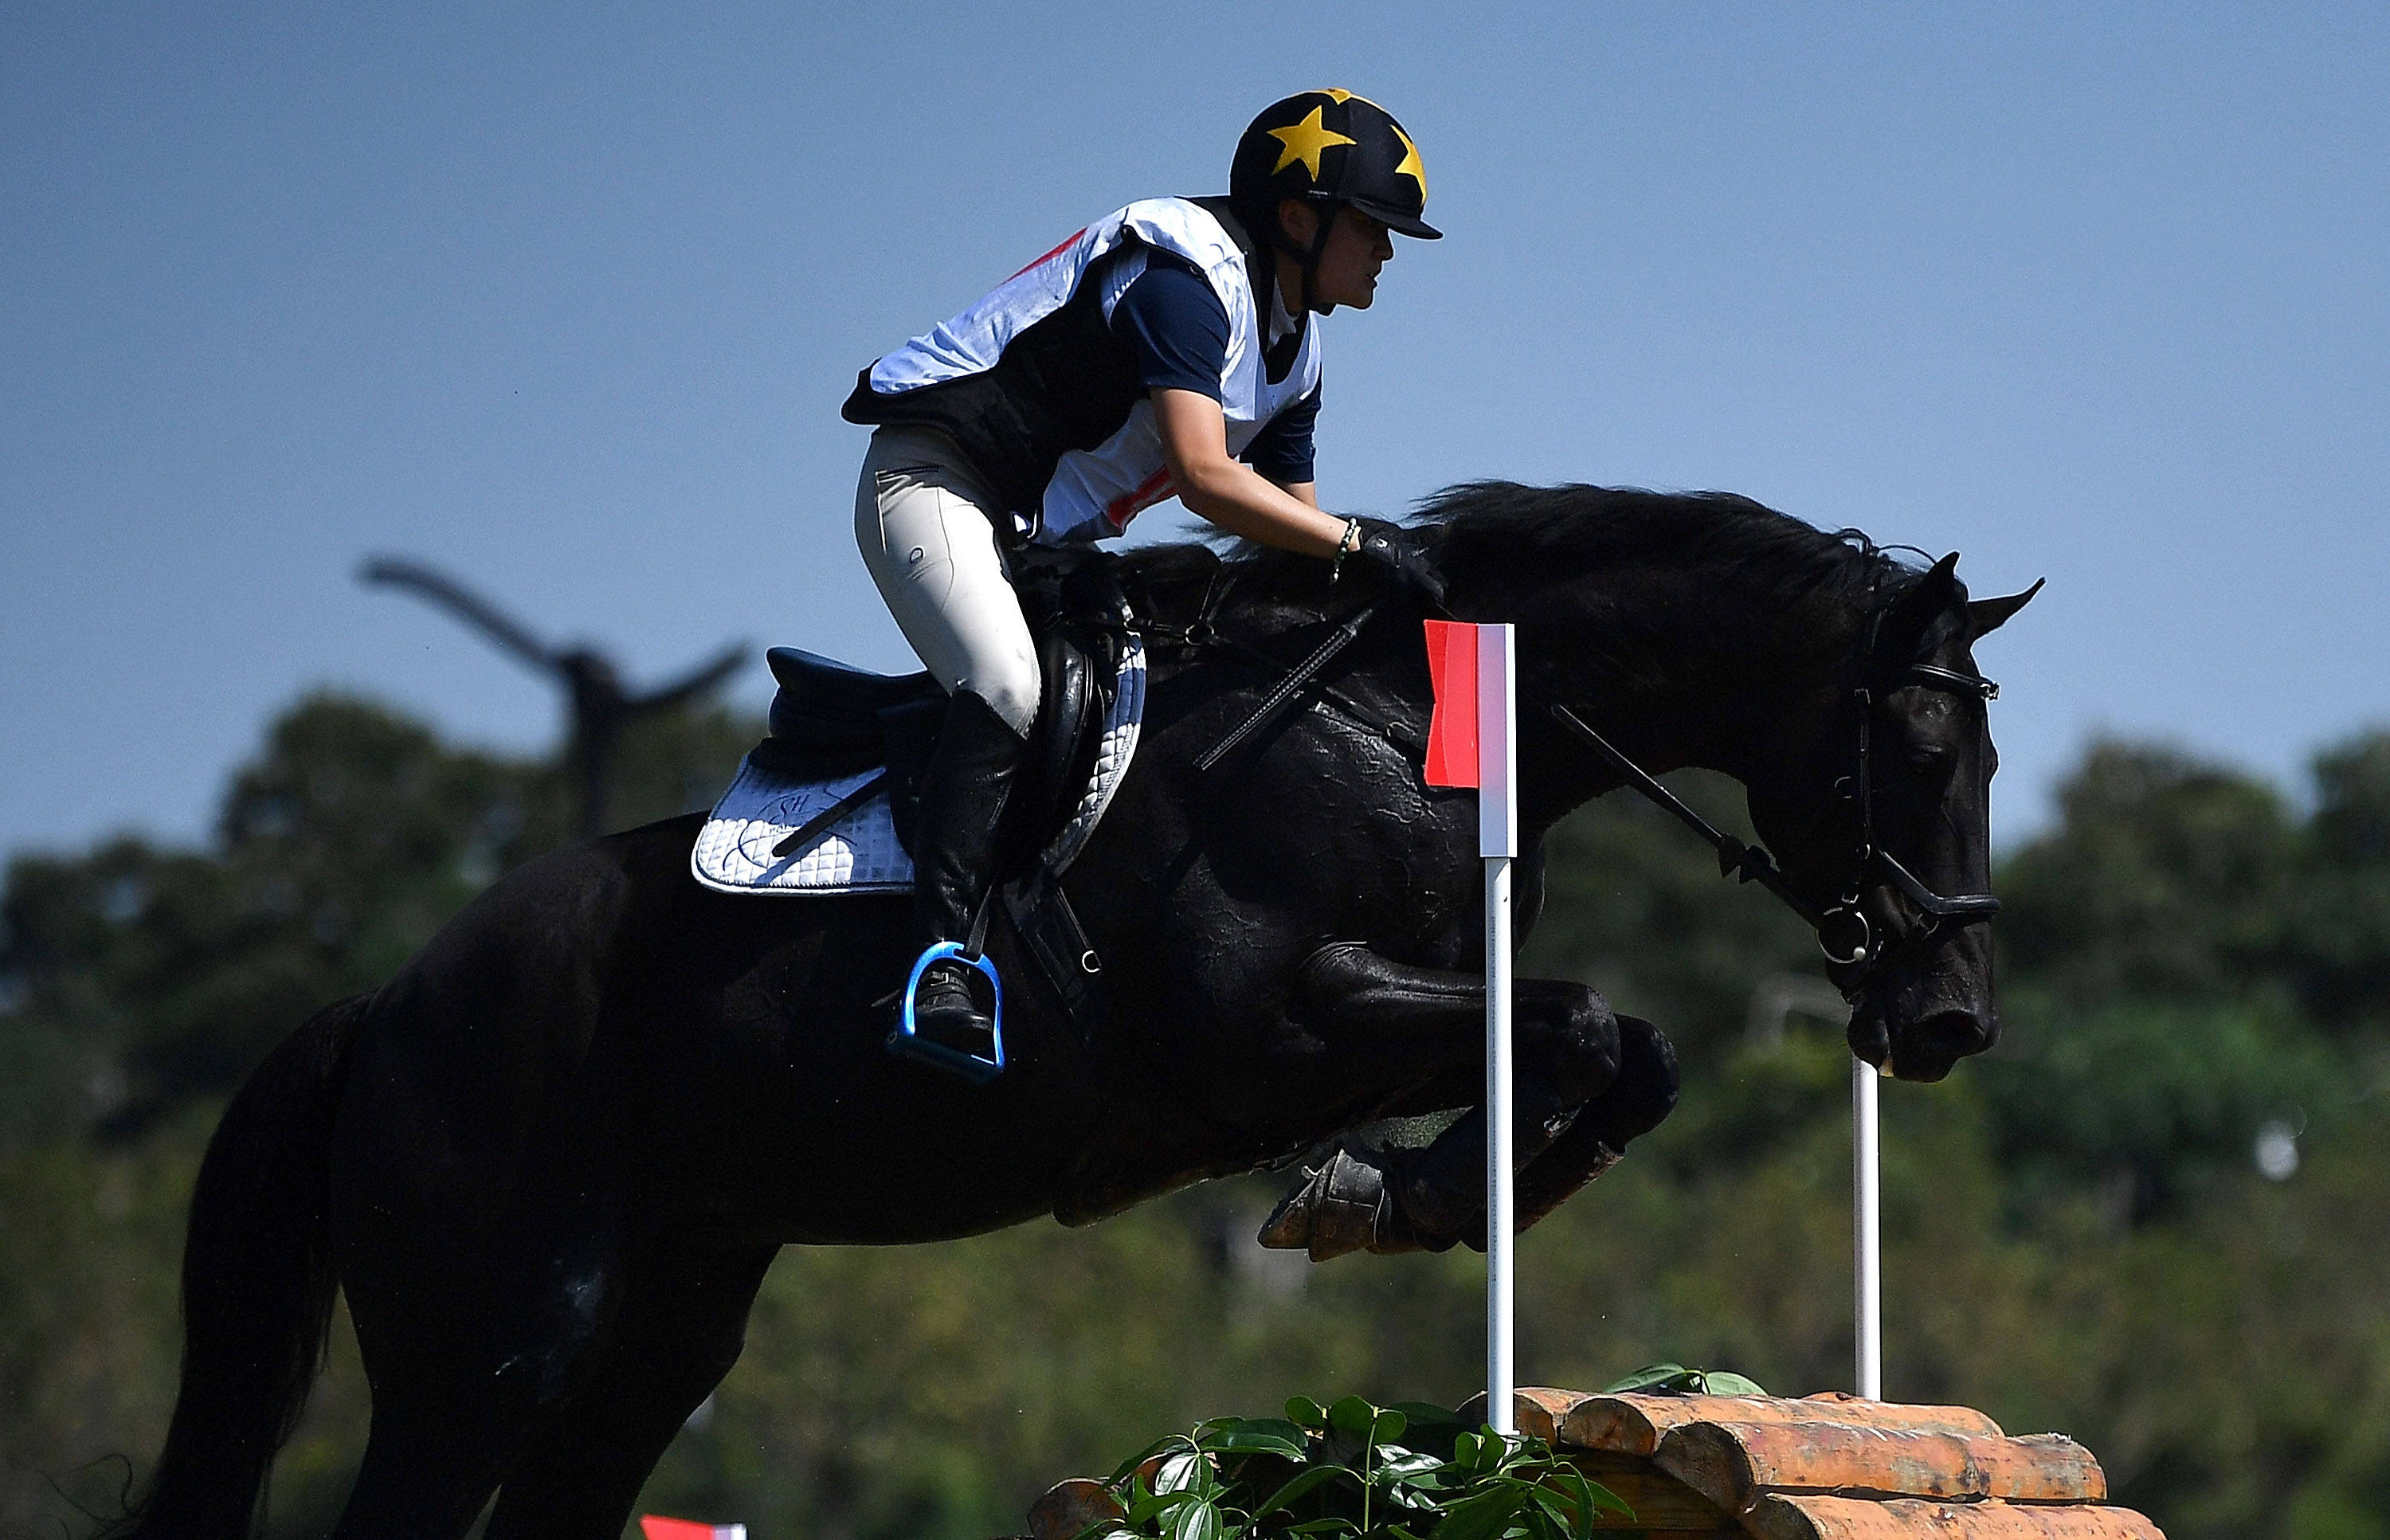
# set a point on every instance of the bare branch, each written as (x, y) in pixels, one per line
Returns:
(699, 681)
(457, 601)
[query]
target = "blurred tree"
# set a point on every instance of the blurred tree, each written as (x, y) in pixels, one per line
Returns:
(2342, 910)
(2164, 877)
(132, 980)
(2157, 946)
(2147, 1102)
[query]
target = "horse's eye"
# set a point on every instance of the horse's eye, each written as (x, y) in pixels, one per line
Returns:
(1931, 762)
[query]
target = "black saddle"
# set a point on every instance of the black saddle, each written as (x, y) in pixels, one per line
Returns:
(830, 719)
(819, 689)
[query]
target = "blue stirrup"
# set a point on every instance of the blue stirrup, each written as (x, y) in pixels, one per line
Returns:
(907, 1041)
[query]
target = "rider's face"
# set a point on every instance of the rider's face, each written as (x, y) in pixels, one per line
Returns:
(1357, 247)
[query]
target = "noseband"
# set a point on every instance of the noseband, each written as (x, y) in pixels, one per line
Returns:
(1845, 934)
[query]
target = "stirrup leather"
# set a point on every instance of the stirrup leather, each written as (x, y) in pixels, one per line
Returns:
(907, 1041)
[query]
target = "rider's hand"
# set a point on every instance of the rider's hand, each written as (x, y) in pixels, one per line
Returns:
(1401, 556)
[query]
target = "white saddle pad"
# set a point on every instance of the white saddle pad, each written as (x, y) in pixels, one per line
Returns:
(860, 853)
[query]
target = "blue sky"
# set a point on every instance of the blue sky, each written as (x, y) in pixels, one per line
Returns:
(564, 298)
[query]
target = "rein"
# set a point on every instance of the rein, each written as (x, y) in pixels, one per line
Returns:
(1845, 934)
(1741, 862)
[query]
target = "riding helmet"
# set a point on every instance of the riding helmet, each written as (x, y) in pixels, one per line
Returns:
(1330, 148)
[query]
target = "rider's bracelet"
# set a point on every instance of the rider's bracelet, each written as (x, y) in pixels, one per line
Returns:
(1346, 543)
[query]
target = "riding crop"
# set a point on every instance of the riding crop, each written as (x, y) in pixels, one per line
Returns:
(1321, 656)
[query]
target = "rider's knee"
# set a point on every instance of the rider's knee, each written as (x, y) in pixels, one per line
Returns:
(1007, 677)
(1011, 693)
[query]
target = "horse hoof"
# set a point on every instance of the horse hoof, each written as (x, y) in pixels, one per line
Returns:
(1338, 1210)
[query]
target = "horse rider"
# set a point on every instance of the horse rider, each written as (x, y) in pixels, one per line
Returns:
(1168, 349)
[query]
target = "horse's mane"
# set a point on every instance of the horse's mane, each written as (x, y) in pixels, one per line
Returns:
(1725, 539)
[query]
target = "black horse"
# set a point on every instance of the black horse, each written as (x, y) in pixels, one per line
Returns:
(551, 1160)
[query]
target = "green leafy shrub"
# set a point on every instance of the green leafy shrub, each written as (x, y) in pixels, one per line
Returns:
(1352, 1470)
(1677, 1379)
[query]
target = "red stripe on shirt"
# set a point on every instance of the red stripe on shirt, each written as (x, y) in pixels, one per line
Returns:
(1056, 253)
(1152, 490)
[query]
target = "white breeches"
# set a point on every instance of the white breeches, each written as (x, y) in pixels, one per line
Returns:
(929, 537)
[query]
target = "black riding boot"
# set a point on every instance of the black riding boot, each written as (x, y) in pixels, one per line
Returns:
(970, 778)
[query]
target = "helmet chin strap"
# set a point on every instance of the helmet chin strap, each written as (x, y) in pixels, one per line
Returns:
(1309, 257)
(1311, 260)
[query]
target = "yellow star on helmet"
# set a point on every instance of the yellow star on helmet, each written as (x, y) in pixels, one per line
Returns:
(1409, 164)
(1306, 142)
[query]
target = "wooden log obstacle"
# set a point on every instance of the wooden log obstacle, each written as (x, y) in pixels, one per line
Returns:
(1829, 1467)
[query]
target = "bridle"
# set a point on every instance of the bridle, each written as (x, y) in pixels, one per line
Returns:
(1845, 934)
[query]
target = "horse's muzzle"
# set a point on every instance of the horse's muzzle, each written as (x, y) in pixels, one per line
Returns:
(1922, 1024)
(1927, 1050)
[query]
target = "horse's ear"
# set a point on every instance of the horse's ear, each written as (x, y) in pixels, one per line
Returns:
(1989, 615)
(1903, 631)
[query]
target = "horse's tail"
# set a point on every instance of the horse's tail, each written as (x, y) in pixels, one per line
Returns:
(257, 1288)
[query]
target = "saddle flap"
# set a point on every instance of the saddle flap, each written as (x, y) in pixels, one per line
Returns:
(1068, 713)
(908, 736)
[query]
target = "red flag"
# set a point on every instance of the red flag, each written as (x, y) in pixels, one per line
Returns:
(657, 1527)
(1452, 732)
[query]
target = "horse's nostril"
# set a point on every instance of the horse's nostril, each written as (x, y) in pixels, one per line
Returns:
(1927, 1050)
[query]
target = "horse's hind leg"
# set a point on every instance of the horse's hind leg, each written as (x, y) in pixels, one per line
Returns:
(681, 1325)
(458, 1389)
(467, 1348)
(430, 1463)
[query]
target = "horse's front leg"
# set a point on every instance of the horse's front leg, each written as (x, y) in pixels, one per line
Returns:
(1568, 1053)
(1643, 1093)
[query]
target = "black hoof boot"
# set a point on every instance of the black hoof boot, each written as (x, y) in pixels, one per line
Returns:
(944, 1025)
(1345, 1205)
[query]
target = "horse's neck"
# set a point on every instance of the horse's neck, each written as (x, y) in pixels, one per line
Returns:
(1678, 668)
(1677, 672)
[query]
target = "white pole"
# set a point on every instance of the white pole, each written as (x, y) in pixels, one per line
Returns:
(1867, 1226)
(1500, 1200)
(1498, 842)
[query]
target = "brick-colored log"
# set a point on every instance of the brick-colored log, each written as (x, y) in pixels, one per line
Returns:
(1733, 1463)
(1538, 1409)
(2055, 1455)
(1820, 1518)
(1663, 1505)
(1634, 1424)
